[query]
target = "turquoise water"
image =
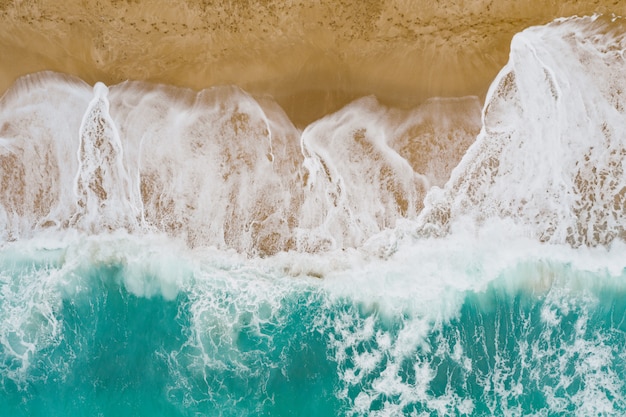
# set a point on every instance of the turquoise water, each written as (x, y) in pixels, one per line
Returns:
(79, 339)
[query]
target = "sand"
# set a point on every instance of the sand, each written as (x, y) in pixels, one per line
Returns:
(312, 56)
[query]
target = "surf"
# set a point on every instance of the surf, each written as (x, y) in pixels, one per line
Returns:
(199, 249)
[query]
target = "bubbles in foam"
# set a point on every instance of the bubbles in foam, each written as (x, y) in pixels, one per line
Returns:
(210, 156)
(346, 154)
(550, 153)
(103, 194)
(454, 326)
(219, 167)
(494, 330)
(29, 300)
(39, 122)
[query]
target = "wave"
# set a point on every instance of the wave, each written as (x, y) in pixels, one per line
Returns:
(450, 326)
(550, 155)
(219, 167)
(222, 168)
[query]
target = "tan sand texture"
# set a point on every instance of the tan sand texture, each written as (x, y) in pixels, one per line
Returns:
(312, 56)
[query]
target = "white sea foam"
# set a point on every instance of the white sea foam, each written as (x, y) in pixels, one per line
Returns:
(39, 122)
(28, 320)
(103, 192)
(551, 152)
(219, 167)
(377, 315)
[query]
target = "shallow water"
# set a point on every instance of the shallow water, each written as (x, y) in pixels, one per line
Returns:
(121, 326)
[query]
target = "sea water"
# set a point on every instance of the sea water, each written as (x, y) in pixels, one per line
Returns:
(167, 252)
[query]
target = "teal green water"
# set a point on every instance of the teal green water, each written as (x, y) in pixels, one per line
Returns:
(77, 342)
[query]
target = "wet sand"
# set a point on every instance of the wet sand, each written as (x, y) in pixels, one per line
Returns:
(311, 56)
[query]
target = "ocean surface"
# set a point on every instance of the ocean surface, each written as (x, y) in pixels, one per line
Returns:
(173, 252)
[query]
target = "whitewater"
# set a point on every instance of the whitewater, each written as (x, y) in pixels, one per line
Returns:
(169, 252)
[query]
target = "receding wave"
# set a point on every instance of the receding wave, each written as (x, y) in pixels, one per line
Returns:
(550, 155)
(219, 167)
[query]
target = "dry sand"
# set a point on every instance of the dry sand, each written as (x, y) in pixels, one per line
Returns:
(312, 56)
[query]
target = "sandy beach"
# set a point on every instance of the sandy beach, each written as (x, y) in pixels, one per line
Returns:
(312, 56)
